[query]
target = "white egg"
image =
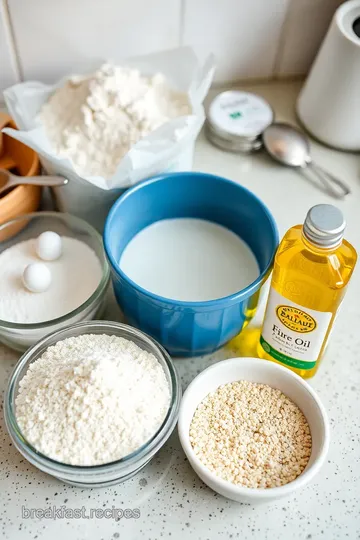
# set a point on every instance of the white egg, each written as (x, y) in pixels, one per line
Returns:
(37, 277)
(49, 246)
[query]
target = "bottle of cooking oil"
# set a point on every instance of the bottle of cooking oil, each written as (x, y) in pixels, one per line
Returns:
(313, 266)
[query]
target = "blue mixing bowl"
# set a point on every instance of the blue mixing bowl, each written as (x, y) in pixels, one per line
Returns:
(189, 328)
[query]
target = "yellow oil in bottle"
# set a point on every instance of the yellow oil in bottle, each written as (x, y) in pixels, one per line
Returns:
(312, 268)
(245, 343)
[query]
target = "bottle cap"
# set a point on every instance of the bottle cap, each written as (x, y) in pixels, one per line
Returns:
(324, 226)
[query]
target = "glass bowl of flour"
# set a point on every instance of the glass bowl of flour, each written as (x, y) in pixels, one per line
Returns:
(79, 278)
(116, 391)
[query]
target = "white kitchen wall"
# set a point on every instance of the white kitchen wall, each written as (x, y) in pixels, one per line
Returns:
(244, 34)
(250, 38)
(57, 37)
(8, 68)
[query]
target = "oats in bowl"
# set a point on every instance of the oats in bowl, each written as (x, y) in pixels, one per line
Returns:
(251, 434)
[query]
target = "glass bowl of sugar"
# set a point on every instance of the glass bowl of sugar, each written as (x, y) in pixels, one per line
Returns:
(75, 269)
(116, 391)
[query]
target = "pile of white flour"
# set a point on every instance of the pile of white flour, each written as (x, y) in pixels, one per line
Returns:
(94, 120)
(75, 277)
(92, 399)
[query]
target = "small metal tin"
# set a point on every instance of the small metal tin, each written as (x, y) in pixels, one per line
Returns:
(236, 120)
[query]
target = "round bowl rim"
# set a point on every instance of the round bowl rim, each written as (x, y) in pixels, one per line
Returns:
(105, 278)
(339, 15)
(58, 468)
(242, 491)
(235, 298)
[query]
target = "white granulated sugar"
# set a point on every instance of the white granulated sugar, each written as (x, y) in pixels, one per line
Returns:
(94, 120)
(74, 278)
(92, 399)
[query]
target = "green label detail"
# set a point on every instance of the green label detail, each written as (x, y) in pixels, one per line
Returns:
(287, 360)
(235, 115)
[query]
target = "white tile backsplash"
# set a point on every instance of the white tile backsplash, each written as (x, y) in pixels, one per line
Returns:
(58, 37)
(8, 75)
(305, 28)
(250, 38)
(243, 34)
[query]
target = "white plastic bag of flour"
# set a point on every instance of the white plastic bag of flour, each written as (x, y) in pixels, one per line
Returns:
(169, 148)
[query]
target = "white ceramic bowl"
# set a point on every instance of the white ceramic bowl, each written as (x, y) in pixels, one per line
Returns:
(259, 371)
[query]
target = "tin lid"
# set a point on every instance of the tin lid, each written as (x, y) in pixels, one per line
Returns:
(233, 145)
(240, 117)
(324, 226)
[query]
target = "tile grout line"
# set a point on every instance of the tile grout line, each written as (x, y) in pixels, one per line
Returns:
(11, 41)
(255, 81)
(282, 39)
(182, 22)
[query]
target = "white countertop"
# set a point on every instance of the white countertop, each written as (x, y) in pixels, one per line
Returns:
(173, 502)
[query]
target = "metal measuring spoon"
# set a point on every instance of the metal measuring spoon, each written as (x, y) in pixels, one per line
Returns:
(291, 147)
(12, 180)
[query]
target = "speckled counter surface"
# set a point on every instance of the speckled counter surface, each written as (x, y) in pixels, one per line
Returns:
(172, 501)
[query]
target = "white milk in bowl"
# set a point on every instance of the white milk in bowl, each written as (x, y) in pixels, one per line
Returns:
(189, 260)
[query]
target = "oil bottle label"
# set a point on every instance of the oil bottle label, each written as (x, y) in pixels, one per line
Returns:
(292, 334)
